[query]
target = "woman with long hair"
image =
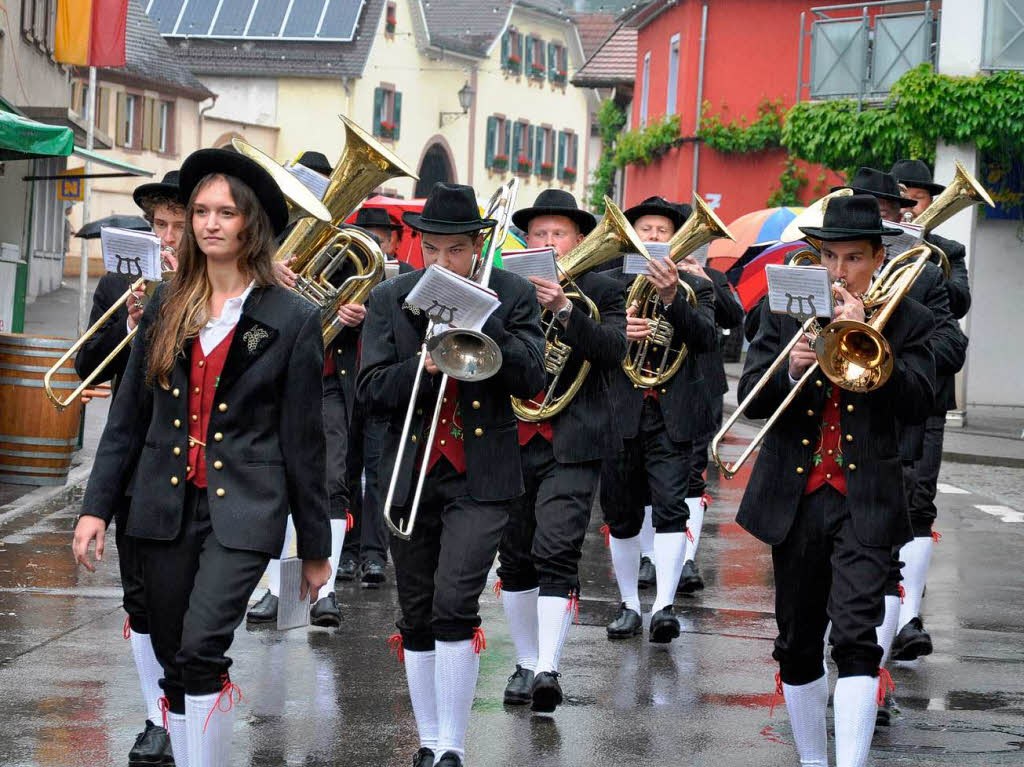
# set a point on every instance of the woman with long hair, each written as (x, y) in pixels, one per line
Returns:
(218, 430)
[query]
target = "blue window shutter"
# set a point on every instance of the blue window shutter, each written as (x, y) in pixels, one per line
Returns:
(492, 140)
(519, 48)
(378, 103)
(538, 153)
(398, 114)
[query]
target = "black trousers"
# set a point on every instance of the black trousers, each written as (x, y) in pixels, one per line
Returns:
(701, 445)
(822, 573)
(368, 539)
(649, 461)
(336, 432)
(926, 477)
(441, 571)
(197, 591)
(130, 564)
(543, 540)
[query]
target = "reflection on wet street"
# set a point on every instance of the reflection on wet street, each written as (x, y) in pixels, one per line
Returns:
(326, 697)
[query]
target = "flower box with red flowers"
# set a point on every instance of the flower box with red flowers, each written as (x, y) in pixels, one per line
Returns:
(513, 63)
(537, 70)
(387, 129)
(389, 26)
(499, 162)
(523, 163)
(547, 169)
(559, 76)
(568, 174)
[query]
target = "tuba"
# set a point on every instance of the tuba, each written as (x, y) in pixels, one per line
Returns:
(701, 227)
(322, 249)
(610, 237)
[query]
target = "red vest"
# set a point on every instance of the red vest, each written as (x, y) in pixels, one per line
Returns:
(448, 437)
(828, 463)
(529, 429)
(202, 389)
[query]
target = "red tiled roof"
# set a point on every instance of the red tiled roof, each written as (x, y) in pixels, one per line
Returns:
(594, 29)
(613, 63)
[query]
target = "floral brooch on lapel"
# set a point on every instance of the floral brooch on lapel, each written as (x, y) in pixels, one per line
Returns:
(253, 337)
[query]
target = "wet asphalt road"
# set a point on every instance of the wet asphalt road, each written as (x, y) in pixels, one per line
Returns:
(323, 697)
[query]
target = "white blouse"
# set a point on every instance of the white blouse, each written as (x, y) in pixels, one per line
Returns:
(217, 328)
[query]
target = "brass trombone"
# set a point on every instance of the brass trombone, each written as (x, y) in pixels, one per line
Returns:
(459, 353)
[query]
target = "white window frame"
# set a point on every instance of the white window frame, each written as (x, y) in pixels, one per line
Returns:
(164, 117)
(645, 88)
(130, 100)
(672, 91)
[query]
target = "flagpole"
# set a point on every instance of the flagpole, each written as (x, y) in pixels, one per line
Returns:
(83, 276)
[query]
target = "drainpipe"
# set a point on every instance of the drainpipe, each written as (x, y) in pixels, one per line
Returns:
(202, 114)
(700, 93)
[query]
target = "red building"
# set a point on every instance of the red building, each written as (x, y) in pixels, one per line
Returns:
(733, 55)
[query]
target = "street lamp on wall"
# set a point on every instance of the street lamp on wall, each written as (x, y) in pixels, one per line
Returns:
(466, 95)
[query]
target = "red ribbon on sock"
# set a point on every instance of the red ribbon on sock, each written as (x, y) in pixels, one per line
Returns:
(606, 531)
(936, 536)
(164, 705)
(497, 588)
(127, 630)
(707, 500)
(885, 684)
(396, 648)
(777, 694)
(350, 521)
(479, 640)
(689, 535)
(574, 607)
(902, 591)
(231, 689)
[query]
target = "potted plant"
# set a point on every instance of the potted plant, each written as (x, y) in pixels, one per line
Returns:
(391, 21)
(523, 164)
(387, 129)
(568, 174)
(547, 169)
(513, 63)
(500, 162)
(537, 70)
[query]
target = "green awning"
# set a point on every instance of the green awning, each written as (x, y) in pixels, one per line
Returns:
(125, 167)
(24, 139)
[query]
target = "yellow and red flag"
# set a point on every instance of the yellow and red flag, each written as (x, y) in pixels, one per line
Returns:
(90, 33)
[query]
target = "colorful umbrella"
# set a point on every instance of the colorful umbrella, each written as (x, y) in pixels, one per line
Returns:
(748, 273)
(759, 227)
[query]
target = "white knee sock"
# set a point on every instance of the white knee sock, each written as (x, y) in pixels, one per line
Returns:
(521, 614)
(553, 618)
(179, 740)
(915, 556)
(626, 563)
(696, 507)
(419, 672)
(854, 705)
(337, 541)
(647, 533)
(885, 633)
(209, 734)
(806, 704)
(455, 678)
(274, 565)
(668, 563)
(150, 673)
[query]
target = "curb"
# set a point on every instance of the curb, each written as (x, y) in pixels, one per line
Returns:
(42, 497)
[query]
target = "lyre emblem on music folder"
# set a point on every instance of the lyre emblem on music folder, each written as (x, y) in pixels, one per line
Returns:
(128, 266)
(799, 312)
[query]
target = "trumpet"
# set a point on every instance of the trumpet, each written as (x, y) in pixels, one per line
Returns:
(465, 355)
(602, 245)
(701, 227)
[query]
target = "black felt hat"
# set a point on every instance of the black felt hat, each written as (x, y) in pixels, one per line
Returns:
(166, 188)
(375, 218)
(203, 162)
(917, 174)
(316, 161)
(449, 209)
(877, 183)
(658, 206)
(555, 202)
(851, 218)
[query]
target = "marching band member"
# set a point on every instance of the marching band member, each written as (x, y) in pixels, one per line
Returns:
(655, 430)
(475, 474)
(541, 547)
(826, 492)
(223, 391)
(165, 213)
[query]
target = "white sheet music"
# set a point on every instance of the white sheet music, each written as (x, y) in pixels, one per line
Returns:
(315, 182)
(799, 291)
(131, 253)
(452, 301)
(531, 262)
(912, 235)
(700, 255)
(391, 268)
(292, 609)
(634, 263)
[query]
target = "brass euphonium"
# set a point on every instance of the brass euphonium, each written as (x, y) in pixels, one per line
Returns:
(701, 227)
(610, 237)
(322, 249)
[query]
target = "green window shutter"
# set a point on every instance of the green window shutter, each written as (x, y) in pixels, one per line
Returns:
(398, 114)
(519, 48)
(378, 104)
(504, 49)
(575, 153)
(531, 138)
(538, 151)
(517, 148)
(529, 55)
(552, 60)
(508, 140)
(562, 136)
(492, 137)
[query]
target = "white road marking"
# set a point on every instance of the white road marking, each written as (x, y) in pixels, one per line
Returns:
(1005, 513)
(951, 489)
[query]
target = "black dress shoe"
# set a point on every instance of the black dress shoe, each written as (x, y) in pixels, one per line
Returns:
(626, 624)
(518, 689)
(152, 747)
(547, 692)
(664, 626)
(648, 576)
(264, 611)
(885, 712)
(690, 580)
(346, 570)
(325, 612)
(373, 575)
(912, 641)
(448, 759)
(424, 758)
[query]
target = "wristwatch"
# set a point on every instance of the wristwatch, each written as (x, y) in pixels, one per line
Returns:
(562, 315)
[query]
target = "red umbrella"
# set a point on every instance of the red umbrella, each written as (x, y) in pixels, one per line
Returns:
(750, 281)
(758, 227)
(408, 243)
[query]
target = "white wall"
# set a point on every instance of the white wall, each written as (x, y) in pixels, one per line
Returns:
(251, 100)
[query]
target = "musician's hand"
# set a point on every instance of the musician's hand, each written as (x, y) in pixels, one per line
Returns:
(352, 315)
(100, 392)
(549, 294)
(800, 358)
(689, 265)
(848, 306)
(135, 308)
(284, 275)
(88, 529)
(170, 259)
(315, 573)
(665, 279)
(637, 328)
(428, 363)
